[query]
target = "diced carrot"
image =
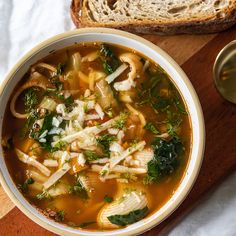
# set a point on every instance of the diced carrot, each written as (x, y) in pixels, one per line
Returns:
(125, 145)
(25, 144)
(76, 167)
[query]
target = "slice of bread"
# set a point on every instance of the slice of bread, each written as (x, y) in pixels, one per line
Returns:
(156, 16)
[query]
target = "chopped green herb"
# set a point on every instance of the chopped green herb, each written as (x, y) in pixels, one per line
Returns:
(121, 121)
(43, 195)
(61, 145)
(79, 190)
(91, 155)
(173, 122)
(129, 218)
(47, 139)
(60, 69)
(103, 173)
(33, 116)
(147, 91)
(179, 105)
(109, 112)
(51, 90)
(85, 107)
(108, 199)
(60, 216)
(151, 127)
(30, 98)
(105, 141)
(30, 181)
(125, 175)
(69, 103)
(85, 224)
(162, 103)
(24, 187)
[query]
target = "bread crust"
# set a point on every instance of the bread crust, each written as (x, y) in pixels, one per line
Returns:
(193, 27)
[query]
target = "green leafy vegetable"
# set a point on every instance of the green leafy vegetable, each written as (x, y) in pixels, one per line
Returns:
(173, 122)
(69, 103)
(179, 105)
(60, 69)
(43, 195)
(109, 112)
(106, 51)
(91, 155)
(55, 80)
(109, 60)
(105, 141)
(151, 127)
(33, 116)
(85, 224)
(45, 141)
(125, 175)
(24, 187)
(130, 218)
(162, 103)
(60, 216)
(121, 121)
(79, 190)
(30, 99)
(166, 158)
(147, 91)
(108, 199)
(61, 145)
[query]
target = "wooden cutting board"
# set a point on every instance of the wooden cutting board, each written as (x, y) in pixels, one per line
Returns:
(196, 55)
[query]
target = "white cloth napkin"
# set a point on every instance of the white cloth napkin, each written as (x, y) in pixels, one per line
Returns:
(25, 23)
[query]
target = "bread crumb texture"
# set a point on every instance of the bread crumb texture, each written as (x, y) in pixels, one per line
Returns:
(158, 11)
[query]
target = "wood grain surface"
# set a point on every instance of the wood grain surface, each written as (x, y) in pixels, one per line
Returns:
(196, 55)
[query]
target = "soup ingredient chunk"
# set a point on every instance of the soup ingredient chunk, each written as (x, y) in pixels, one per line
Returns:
(96, 136)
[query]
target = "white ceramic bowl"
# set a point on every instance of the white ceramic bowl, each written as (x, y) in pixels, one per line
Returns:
(179, 79)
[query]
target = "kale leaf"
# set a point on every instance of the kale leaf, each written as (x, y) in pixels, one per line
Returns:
(79, 190)
(109, 60)
(24, 187)
(105, 141)
(166, 158)
(108, 199)
(85, 224)
(45, 141)
(129, 218)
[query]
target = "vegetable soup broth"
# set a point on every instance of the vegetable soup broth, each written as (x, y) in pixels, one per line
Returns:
(87, 179)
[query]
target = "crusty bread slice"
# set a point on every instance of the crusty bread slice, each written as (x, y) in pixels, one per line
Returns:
(156, 16)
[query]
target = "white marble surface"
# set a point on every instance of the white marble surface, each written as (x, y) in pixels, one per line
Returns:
(24, 23)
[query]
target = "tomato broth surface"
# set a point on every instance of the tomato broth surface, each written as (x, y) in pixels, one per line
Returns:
(96, 136)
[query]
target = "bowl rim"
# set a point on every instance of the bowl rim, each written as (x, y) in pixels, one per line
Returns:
(55, 227)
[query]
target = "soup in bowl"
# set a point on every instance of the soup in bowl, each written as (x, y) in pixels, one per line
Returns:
(101, 132)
